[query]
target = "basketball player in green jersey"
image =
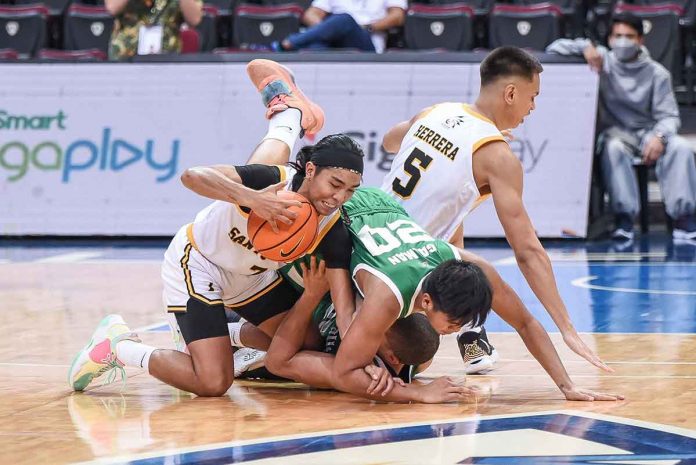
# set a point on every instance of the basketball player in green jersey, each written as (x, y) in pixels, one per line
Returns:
(399, 269)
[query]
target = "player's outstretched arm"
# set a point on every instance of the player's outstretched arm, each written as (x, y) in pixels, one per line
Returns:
(508, 305)
(503, 173)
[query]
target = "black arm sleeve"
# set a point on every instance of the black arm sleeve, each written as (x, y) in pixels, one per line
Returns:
(336, 247)
(258, 177)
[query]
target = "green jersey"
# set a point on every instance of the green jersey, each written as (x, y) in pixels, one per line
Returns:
(388, 244)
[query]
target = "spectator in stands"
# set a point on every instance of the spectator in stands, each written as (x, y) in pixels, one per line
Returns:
(638, 118)
(145, 27)
(360, 24)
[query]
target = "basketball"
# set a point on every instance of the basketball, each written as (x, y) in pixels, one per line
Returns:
(292, 240)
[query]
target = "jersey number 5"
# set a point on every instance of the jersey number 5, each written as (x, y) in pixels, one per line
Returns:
(417, 157)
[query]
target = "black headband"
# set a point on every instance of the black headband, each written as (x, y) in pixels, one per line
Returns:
(331, 157)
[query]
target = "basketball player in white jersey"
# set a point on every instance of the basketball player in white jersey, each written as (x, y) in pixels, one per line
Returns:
(452, 156)
(211, 263)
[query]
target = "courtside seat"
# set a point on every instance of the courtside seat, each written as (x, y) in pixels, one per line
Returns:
(23, 28)
(254, 24)
(662, 36)
(530, 26)
(207, 28)
(93, 54)
(7, 54)
(572, 14)
(87, 27)
(447, 27)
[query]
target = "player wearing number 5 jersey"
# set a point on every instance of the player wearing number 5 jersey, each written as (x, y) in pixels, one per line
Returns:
(452, 156)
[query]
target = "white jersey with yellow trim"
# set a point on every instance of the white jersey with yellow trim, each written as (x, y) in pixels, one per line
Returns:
(220, 234)
(432, 175)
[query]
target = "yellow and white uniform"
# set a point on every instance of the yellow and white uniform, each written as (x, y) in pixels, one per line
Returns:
(213, 260)
(432, 175)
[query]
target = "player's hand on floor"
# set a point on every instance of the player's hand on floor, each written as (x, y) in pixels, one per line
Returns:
(314, 277)
(577, 345)
(577, 393)
(272, 208)
(447, 389)
(382, 381)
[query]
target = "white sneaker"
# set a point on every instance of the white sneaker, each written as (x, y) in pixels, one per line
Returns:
(684, 237)
(477, 353)
(622, 234)
(247, 359)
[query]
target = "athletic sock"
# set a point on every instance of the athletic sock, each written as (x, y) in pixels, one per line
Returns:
(235, 332)
(134, 354)
(285, 127)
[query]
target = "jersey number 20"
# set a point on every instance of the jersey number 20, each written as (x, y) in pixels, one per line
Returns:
(417, 157)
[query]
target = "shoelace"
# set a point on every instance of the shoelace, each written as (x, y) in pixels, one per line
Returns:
(113, 367)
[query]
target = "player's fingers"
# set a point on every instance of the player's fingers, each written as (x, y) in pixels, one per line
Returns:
(602, 396)
(274, 225)
(322, 267)
(600, 364)
(287, 212)
(382, 383)
(389, 386)
(284, 219)
(400, 382)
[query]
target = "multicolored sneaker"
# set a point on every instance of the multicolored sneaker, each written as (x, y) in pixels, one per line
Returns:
(99, 355)
(478, 354)
(276, 84)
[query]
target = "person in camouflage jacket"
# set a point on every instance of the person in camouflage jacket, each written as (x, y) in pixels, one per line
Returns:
(132, 14)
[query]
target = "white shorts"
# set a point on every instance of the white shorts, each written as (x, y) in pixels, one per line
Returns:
(187, 274)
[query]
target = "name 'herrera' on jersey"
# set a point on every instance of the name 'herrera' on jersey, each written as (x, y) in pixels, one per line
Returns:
(436, 141)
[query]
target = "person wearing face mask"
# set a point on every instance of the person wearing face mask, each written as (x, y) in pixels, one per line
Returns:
(638, 117)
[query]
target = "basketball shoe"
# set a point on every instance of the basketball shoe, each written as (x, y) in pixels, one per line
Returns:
(279, 91)
(247, 359)
(478, 354)
(99, 355)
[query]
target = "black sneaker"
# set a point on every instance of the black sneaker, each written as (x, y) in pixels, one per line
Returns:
(478, 354)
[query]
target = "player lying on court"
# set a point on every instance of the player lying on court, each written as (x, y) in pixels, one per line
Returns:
(408, 347)
(211, 262)
(454, 155)
(400, 269)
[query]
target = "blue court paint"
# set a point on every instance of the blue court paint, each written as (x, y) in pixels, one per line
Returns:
(654, 262)
(642, 442)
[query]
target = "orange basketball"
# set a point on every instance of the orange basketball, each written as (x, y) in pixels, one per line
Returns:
(292, 240)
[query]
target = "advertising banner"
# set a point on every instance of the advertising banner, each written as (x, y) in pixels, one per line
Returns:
(99, 149)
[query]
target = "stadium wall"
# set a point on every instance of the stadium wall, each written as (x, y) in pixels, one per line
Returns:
(98, 149)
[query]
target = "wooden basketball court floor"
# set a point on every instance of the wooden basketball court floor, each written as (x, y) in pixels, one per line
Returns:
(635, 305)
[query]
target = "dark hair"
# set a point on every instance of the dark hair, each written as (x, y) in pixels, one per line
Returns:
(413, 339)
(461, 290)
(333, 141)
(629, 19)
(508, 61)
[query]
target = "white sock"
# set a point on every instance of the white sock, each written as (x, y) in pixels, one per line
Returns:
(235, 330)
(285, 127)
(134, 354)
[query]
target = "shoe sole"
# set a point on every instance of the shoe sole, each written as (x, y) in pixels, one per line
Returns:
(262, 72)
(83, 355)
(486, 363)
